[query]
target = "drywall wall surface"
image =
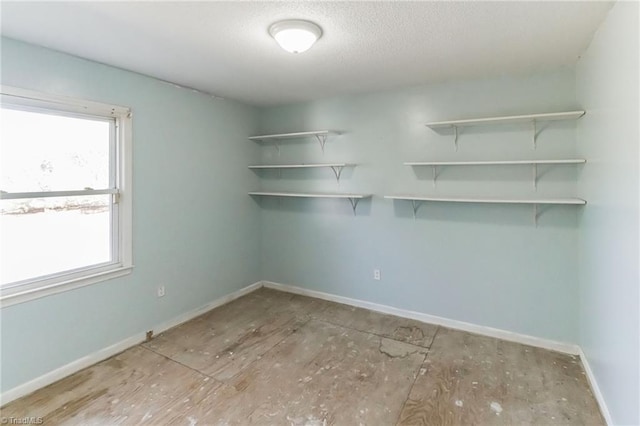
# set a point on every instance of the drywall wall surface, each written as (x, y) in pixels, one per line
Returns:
(485, 264)
(607, 87)
(195, 229)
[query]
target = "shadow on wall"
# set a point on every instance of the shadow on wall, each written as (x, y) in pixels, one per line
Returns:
(499, 215)
(335, 206)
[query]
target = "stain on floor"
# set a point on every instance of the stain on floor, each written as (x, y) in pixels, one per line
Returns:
(273, 358)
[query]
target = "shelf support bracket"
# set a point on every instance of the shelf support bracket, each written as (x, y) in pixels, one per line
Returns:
(337, 170)
(537, 211)
(322, 139)
(277, 145)
(416, 205)
(535, 134)
(354, 203)
(435, 175)
(455, 137)
(535, 177)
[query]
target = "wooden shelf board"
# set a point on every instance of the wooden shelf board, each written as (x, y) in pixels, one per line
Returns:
(569, 115)
(565, 201)
(309, 194)
(491, 163)
(293, 135)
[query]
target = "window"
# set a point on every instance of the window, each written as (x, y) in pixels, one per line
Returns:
(65, 200)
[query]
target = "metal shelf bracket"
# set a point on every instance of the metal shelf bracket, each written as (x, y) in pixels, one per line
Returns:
(455, 137)
(435, 174)
(337, 170)
(322, 139)
(534, 136)
(415, 204)
(538, 209)
(354, 203)
(535, 177)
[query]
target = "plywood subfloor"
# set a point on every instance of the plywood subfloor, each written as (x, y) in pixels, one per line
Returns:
(272, 358)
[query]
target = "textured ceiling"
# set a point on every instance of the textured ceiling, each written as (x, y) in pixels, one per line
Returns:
(224, 48)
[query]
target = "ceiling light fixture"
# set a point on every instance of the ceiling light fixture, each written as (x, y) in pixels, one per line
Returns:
(295, 35)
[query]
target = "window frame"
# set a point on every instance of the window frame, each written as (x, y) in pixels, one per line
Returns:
(120, 187)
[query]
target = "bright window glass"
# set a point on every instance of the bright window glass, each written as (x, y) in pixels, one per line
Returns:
(65, 193)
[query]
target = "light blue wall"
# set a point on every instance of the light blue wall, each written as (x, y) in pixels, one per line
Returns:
(607, 86)
(195, 229)
(484, 264)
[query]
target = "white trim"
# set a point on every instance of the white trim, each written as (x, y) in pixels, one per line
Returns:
(26, 97)
(68, 369)
(206, 308)
(24, 293)
(121, 176)
(553, 345)
(51, 194)
(597, 393)
(102, 354)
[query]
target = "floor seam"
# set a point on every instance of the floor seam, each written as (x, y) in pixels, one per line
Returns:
(246, 367)
(143, 345)
(182, 364)
(415, 379)
(277, 344)
(376, 334)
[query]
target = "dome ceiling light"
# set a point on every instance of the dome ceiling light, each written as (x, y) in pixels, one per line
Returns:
(295, 35)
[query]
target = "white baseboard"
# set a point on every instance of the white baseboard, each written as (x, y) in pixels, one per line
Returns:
(567, 348)
(553, 345)
(206, 308)
(596, 389)
(102, 354)
(68, 369)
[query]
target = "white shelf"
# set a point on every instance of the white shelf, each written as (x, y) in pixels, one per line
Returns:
(534, 163)
(565, 201)
(353, 198)
(492, 163)
(527, 118)
(298, 166)
(417, 200)
(294, 135)
(319, 135)
(336, 167)
(554, 116)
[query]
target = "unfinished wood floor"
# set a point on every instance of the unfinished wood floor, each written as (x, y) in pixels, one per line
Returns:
(272, 358)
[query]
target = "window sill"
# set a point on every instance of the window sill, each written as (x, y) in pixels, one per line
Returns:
(14, 296)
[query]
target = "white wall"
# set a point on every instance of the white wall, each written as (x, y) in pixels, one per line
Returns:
(195, 230)
(607, 87)
(484, 264)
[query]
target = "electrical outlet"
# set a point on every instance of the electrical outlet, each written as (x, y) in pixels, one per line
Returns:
(376, 274)
(160, 291)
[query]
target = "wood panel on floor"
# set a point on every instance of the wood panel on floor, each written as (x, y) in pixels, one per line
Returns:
(392, 327)
(472, 379)
(277, 358)
(136, 386)
(322, 374)
(224, 341)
